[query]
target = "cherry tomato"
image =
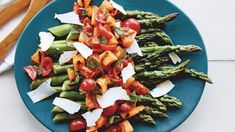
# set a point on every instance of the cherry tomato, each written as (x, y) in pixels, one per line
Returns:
(109, 47)
(105, 32)
(88, 84)
(131, 23)
(126, 106)
(114, 129)
(31, 71)
(46, 66)
(93, 42)
(77, 125)
(76, 8)
(110, 110)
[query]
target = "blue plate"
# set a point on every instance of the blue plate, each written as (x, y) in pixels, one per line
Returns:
(181, 30)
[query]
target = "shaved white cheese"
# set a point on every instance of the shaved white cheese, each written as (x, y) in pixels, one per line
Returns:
(43, 91)
(67, 56)
(127, 72)
(118, 24)
(162, 89)
(46, 39)
(112, 95)
(92, 117)
(84, 50)
(118, 7)
(70, 106)
(134, 48)
(174, 57)
(70, 18)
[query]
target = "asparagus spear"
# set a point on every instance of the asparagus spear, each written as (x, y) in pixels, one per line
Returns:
(74, 33)
(148, 99)
(64, 117)
(154, 112)
(197, 74)
(162, 74)
(57, 109)
(151, 65)
(61, 30)
(145, 119)
(171, 102)
(191, 72)
(58, 47)
(71, 85)
(59, 69)
(72, 95)
(55, 81)
(168, 49)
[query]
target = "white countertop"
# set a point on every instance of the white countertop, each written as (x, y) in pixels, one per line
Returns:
(215, 112)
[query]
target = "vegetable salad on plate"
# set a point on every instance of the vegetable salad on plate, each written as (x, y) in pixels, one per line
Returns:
(105, 66)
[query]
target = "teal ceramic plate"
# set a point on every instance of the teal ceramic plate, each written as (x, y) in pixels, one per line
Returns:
(181, 30)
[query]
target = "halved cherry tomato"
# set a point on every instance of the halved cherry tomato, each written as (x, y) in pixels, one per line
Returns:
(46, 66)
(76, 8)
(87, 28)
(126, 106)
(88, 84)
(77, 124)
(109, 47)
(31, 71)
(104, 32)
(132, 24)
(110, 110)
(114, 129)
(93, 42)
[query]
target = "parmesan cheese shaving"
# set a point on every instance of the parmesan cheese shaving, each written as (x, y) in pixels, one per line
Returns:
(118, 7)
(84, 50)
(70, 106)
(174, 57)
(42, 92)
(70, 18)
(134, 48)
(162, 89)
(46, 39)
(67, 56)
(127, 72)
(92, 116)
(112, 95)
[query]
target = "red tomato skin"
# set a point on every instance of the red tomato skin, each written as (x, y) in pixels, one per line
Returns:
(46, 66)
(110, 110)
(104, 32)
(126, 107)
(109, 47)
(77, 125)
(88, 84)
(132, 24)
(31, 71)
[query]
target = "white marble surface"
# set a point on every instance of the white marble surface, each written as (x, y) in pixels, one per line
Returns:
(215, 20)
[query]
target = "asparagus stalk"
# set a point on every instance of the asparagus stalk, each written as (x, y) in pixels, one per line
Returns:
(59, 69)
(162, 74)
(148, 99)
(64, 117)
(58, 47)
(71, 85)
(74, 33)
(57, 109)
(72, 95)
(61, 30)
(145, 119)
(191, 72)
(55, 81)
(168, 49)
(171, 102)
(154, 112)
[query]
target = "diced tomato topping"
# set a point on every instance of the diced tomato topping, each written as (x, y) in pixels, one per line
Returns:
(31, 71)
(126, 106)
(110, 110)
(77, 124)
(88, 84)
(105, 32)
(46, 66)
